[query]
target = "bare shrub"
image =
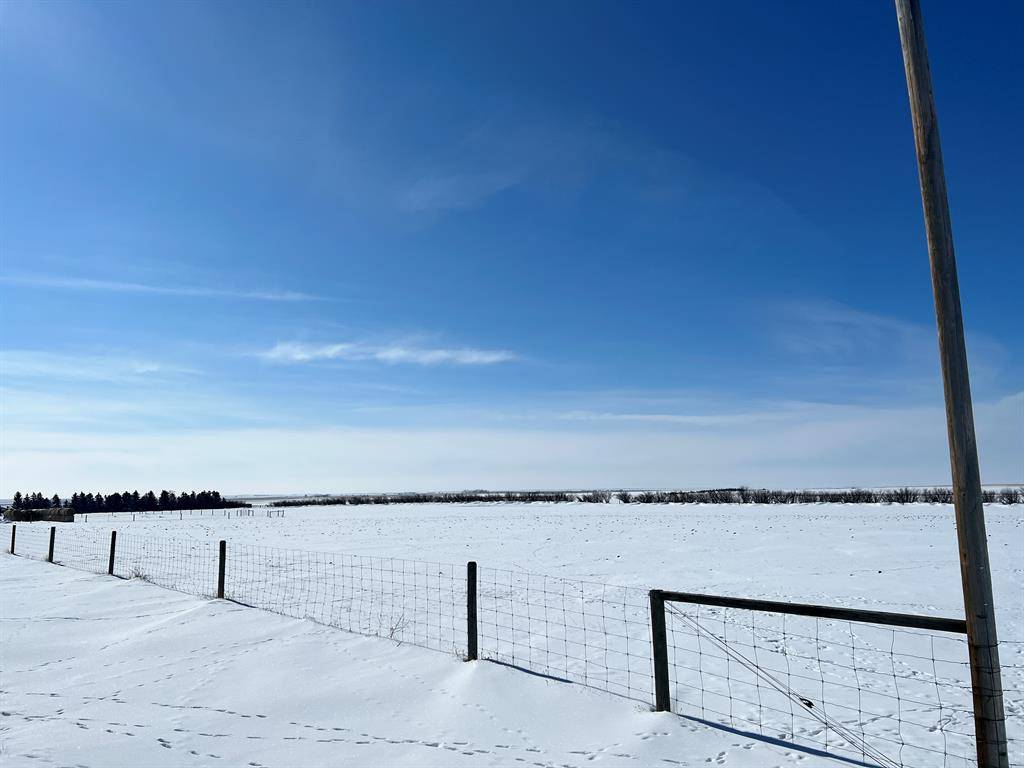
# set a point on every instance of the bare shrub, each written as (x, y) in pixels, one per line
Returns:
(741, 495)
(1011, 496)
(937, 495)
(397, 628)
(900, 496)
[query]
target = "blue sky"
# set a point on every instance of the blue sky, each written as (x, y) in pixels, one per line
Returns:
(383, 246)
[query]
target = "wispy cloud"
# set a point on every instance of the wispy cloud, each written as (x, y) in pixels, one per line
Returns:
(836, 345)
(834, 332)
(292, 352)
(117, 286)
(455, 192)
(854, 447)
(27, 364)
(681, 419)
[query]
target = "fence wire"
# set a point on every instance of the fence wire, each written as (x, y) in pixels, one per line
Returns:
(408, 601)
(594, 634)
(231, 513)
(877, 695)
(84, 550)
(884, 695)
(33, 540)
(184, 565)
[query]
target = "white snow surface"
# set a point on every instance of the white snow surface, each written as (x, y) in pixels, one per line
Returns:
(885, 557)
(88, 659)
(104, 672)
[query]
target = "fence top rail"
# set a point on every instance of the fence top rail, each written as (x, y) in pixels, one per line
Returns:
(910, 620)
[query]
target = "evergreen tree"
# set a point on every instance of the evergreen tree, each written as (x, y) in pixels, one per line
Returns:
(128, 501)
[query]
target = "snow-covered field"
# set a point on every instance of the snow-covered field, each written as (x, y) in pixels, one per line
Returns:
(898, 558)
(99, 672)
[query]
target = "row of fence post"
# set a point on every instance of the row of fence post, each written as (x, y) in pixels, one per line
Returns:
(472, 649)
(659, 643)
(191, 512)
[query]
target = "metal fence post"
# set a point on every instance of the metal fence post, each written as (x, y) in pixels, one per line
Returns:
(659, 647)
(471, 623)
(220, 568)
(53, 534)
(14, 531)
(110, 562)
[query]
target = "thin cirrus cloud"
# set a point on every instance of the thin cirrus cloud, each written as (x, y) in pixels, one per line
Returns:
(293, 352)
(46, 366)
(88, 284)
(454, 192)
(679, 419)
(858, 447)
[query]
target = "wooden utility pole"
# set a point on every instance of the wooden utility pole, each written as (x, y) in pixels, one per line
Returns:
(989, 724)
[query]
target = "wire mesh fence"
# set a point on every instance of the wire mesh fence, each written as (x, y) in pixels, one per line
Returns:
(589, 633)
(184, 565)
(877, 695)
(85, 550)
(230, 513)
(33, 540)
(408, 601)
(882, 695)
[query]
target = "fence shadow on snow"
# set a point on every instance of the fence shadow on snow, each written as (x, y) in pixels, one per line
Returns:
(881, 694)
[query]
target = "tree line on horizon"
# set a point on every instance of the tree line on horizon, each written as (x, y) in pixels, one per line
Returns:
(448, 497)
(904, 495)
(1007, 495)
(128, 501)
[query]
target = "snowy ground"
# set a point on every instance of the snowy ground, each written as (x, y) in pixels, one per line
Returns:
(897, 557)
(900, 558)
(104, 672)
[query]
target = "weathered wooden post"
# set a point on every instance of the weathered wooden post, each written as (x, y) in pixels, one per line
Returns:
(472, 652)
(220, 568)
(989, 723)
(659, 648)
(53, 534)
(110, 560)
(14, 532)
